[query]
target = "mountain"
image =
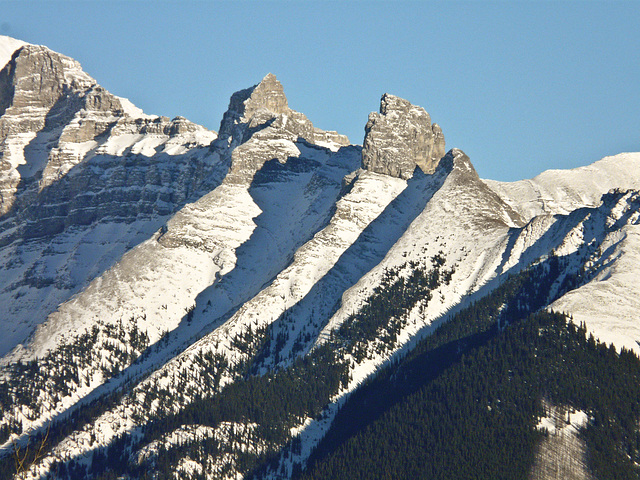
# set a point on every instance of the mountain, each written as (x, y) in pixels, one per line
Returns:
(181, 303)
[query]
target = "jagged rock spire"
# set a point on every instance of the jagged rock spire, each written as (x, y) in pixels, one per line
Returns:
(265, 104)
(267, 96)
(400, 137)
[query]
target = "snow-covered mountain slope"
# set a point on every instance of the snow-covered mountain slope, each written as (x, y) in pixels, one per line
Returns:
(160, 281)
(606, 248)
(473, 265)
(84, 179)
(608, 303)
(231, 240)
(563, 191)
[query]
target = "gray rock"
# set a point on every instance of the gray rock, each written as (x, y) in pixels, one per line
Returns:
(35, 77)
(265, 105)
(259, 126)
(268, 95)
(48, 100)
(401, 137)
(253, 107)
(330, 136)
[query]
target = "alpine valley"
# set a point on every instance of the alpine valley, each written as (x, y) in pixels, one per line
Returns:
(273, 301)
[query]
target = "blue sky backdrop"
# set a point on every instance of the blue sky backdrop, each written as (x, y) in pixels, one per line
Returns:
(521, 87)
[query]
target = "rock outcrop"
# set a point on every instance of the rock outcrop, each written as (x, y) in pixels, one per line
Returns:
(253, 108)
(401, 137)
(54, 118)
(263, 105)
(40, 93)
(259, 126)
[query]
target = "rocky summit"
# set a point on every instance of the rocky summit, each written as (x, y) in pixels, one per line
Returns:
(272, 301)
(401, 137)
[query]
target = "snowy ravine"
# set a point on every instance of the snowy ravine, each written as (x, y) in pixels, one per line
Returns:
(152, 267)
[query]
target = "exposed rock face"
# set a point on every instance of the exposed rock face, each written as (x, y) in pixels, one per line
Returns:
(40, 92)
(260, 126)
(268, 95)
(253, 107)
(54, 118)
(265, 105)
(38, 78)
(400, 137)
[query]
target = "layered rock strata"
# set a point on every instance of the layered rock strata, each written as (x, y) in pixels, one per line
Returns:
(56, 120)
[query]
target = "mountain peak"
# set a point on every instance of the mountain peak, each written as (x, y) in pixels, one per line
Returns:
(401, 137)
(36, 76)
(390, 103)
(268, 95)
(50, 105)
(265, 97)
(265, 105)
(155, 284)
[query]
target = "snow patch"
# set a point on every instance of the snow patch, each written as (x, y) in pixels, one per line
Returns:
(8, 46)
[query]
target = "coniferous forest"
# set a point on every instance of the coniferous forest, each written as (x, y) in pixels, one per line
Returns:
(465, 403)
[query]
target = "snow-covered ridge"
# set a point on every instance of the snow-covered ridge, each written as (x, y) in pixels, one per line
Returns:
(227, 238)
(562, 191)
(609, 303)
(88, 174)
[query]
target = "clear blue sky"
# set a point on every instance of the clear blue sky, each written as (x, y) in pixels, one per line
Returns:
(521, 87)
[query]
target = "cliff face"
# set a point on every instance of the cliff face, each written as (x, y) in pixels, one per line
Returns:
(56, 121)
(401, 137)
(40, 91)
